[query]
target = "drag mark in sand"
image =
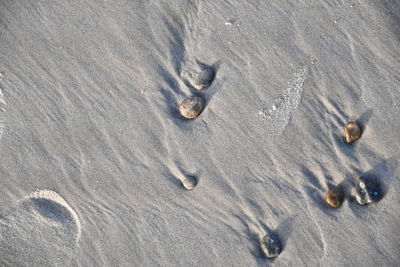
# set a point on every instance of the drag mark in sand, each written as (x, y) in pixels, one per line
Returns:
(277, 116)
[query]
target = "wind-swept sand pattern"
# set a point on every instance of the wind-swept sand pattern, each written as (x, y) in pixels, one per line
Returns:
(93, 91)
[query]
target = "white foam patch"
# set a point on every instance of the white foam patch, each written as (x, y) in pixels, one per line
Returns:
(278, 115)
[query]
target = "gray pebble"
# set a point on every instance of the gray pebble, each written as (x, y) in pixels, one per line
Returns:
(204, 78)
(189, 183)
(271, 245)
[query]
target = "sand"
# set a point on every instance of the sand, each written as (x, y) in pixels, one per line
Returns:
(94, 152)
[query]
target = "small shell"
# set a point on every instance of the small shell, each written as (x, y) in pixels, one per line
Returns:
(191, 107)
(271, 245)
(334, 198)
(204, 78)
(190, 182)
(352, 131)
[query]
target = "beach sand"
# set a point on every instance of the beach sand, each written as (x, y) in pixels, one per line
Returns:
(94, 151)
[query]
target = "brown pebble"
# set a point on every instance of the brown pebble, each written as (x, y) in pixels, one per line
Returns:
(352, 131)
(334, 197)
(191, 107)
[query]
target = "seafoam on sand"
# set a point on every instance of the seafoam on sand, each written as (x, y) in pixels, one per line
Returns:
(277, 116)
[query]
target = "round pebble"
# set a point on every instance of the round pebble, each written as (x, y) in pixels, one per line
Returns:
(191, 107)
(334, 198)
(352, 132)
(204, 78)
(367, 192)
(271, 245)
(189, 183)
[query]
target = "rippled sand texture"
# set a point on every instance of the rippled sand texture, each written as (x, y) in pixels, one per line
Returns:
(92, 89)
(2, 113)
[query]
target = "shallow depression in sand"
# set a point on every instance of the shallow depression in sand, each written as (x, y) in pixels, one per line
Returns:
(42, 229)
(51, 206)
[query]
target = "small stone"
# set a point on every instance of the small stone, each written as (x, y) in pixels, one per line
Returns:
(334, 197)
(191, 107)
(271, 245)
(204, 78)
(367, 192)
(189, 183)
(352, 131)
